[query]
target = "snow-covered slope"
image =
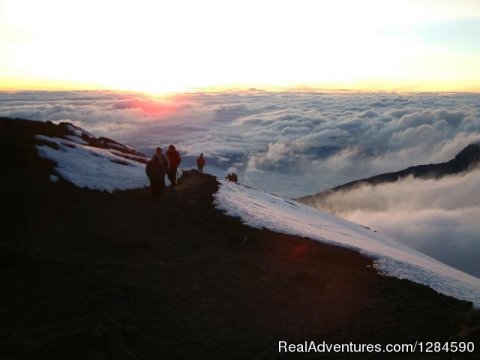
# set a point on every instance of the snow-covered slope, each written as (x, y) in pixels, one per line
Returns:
(93, 167)
(263, 210)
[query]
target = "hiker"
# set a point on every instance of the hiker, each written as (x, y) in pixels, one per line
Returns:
(174, 160)
(232, 177)
(156, 169)
(200, 163)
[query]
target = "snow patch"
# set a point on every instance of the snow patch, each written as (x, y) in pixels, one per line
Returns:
(78, 131)
(76, 139)
(129, 156)
(102, 171)
(263, 210)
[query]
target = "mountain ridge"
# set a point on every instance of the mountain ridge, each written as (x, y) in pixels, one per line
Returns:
(464, 161)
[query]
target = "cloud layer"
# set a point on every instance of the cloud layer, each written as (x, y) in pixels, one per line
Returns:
(306, 141)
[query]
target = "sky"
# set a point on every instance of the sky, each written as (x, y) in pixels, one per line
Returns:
(174, 46)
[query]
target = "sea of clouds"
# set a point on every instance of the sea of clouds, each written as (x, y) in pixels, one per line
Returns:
(295, 143)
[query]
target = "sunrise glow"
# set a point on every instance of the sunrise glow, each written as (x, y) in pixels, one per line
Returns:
(174, 46)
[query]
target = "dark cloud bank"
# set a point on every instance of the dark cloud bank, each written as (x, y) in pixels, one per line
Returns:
(298, 143)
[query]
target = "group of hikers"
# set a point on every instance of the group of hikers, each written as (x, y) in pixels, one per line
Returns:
(161, 165)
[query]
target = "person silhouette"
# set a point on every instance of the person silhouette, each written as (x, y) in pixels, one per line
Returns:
(174, 160)
(232, 177)
(200, 163)
(156, 169)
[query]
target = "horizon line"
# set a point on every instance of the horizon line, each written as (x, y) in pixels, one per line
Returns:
(221, 89)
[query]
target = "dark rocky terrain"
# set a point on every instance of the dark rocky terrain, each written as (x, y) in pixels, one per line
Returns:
(464, 161)
(91, 275)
